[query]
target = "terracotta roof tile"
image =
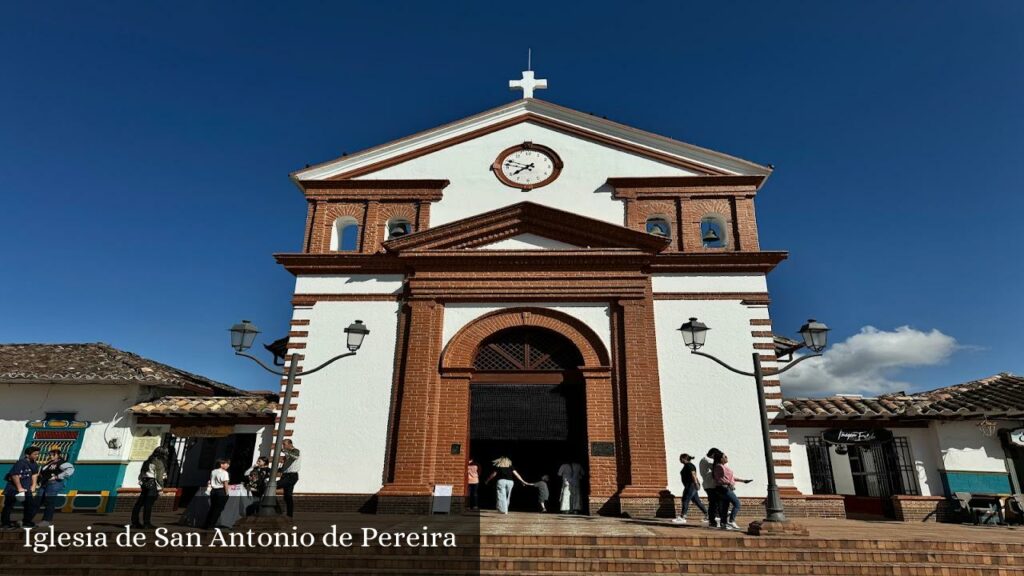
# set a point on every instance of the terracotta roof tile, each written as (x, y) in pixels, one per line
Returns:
(1001, 395)
(95, 363)
(206, 405)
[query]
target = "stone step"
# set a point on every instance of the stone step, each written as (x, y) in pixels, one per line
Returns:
(295, 562)
(520, 553)
(14, 541)
(776, 568)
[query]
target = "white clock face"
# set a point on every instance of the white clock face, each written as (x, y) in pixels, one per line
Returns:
(527, 167)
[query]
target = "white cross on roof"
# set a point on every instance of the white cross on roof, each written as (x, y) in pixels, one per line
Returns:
(528, 84)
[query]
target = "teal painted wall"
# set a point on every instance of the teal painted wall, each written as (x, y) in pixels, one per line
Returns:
(975, 482)
(96, 477)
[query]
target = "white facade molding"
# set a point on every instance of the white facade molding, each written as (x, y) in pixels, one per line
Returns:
(702, 283)
(353, 284)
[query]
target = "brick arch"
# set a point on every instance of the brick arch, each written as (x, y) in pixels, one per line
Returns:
(389, 211)
(461, 351)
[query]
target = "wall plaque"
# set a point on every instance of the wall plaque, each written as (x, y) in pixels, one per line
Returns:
(143, 445)
(602, 449)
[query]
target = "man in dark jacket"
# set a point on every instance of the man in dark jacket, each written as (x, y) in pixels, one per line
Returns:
(21, 485)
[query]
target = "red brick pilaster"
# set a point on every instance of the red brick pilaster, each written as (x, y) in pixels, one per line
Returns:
(600, 428)
(371, 228)
(746, 225)
(415, 428)
(647, 468)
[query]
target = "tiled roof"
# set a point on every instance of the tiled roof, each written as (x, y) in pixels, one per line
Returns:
(96, 363)
(1001, 395)
(206, 406)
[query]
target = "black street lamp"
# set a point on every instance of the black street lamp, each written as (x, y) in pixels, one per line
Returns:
(815, 335)
(242, 337)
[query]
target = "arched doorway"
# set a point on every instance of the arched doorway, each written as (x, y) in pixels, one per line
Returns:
(528, 402)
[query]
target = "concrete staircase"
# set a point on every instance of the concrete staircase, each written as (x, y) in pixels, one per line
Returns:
(505, 554)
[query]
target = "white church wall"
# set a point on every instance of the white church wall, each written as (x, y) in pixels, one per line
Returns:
(349, 284)
(798, 456)
(965, 448)
(703, 404)
(580, 188)
(594, 316)
(342, 416)
(681, 282)
(924, 450)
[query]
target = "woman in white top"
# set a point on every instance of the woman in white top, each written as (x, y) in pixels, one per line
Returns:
(218, 492)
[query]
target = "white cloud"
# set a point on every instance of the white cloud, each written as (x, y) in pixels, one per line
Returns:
(867, 362)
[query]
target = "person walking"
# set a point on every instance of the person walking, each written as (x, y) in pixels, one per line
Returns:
(543, 493)
(52, 476)
(691, 488)
(707, 466)
(219, 480)
(505, 474)
(473, 484)
(290, 467)
(726, 482)
(22, 480)
(571, 499)
(256, 480)
(151, 480)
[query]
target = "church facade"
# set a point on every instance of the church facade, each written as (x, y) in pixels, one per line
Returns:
(523, 273)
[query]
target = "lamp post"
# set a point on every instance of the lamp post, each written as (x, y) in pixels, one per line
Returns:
(815, 338)
(242, 337)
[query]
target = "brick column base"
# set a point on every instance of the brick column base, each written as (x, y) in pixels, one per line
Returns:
(921, 508)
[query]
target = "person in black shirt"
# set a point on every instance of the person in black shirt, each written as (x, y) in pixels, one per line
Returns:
(691, 486)
(505, 473)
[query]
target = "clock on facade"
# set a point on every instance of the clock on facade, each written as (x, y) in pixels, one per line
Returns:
(527, 166)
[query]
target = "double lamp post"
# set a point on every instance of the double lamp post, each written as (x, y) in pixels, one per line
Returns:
(815, 338)
(242, 337)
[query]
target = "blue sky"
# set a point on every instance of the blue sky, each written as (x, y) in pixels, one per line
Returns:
(146, 150)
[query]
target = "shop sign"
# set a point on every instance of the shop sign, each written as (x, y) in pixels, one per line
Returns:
(211, 431)
(856, 437)
(1017, 437)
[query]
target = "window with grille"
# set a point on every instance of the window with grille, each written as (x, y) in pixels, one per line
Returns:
(884, 469)
(527, 349)
(820, 463)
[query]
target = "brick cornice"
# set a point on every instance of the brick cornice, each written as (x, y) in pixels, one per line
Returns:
(762, 262)
(676, 186)
(426, 190)
(568, 260)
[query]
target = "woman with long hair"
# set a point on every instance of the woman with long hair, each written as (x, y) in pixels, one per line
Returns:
(505, 474)
(726, 482)
(151, 481)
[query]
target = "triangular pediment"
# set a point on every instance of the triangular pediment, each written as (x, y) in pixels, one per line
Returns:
(527, 241)
(527, 226)
(692, 159)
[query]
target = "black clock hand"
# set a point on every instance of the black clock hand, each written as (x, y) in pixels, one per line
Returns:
(526, 167)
